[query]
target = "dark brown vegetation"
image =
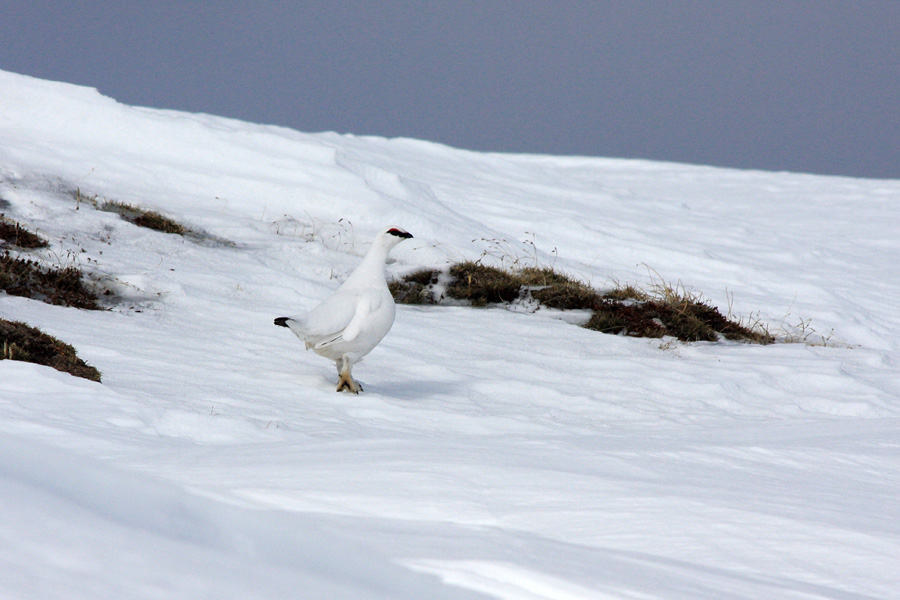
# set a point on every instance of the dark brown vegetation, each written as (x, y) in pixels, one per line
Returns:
(13, 234)
(482, 285)
(624, 310)
(150, 219)
(64, 287)
(143, 217)
(19, 341)
(556, 290)
(688, 318)
(415, 288)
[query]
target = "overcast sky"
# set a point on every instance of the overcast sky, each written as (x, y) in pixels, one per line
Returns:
(810, 86)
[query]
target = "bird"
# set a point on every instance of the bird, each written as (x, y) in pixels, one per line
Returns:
(355, 318)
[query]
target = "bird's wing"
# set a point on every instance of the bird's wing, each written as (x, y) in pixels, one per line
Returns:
(331, 316)
(366, 304)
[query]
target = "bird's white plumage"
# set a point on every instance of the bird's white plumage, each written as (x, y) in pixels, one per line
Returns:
(354, 319)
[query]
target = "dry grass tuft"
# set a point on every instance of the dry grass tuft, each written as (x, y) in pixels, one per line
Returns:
(19, 341)
(636, 320)
(143, 217)
(627, 293)
(415, 288)
(482, 285)
(665, 310)
(12, 233)
(669, 310)
(63, 287)
(557, 290)
(151, 219)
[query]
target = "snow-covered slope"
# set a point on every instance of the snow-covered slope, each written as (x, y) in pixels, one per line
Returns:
(494, 453)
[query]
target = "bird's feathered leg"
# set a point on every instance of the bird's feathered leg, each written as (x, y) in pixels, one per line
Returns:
(346, 380)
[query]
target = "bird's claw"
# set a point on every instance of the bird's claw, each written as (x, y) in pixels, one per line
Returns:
(346, 382)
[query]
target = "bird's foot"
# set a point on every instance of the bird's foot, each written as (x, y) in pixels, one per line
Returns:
(346, 382)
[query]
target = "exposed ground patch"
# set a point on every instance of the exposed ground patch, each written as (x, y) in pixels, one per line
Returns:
(143, 217)
(690, 318)
(624, 310)
(12, 233)
(150, 219)
(19, 341)
(60, 286)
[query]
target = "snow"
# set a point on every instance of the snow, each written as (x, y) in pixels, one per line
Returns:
(494, 453)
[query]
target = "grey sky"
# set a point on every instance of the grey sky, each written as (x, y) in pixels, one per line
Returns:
(810, 86)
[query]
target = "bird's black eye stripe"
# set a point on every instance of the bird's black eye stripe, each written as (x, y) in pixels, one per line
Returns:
(399, 233)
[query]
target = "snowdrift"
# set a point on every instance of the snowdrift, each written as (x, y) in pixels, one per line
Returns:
(494, 453)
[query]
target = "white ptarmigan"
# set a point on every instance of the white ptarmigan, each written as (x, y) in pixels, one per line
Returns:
(349, 323)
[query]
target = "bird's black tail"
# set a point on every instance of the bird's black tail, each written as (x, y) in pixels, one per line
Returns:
(281, 321)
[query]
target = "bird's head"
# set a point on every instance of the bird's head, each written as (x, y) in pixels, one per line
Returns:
(400, 233)
(394, 235)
